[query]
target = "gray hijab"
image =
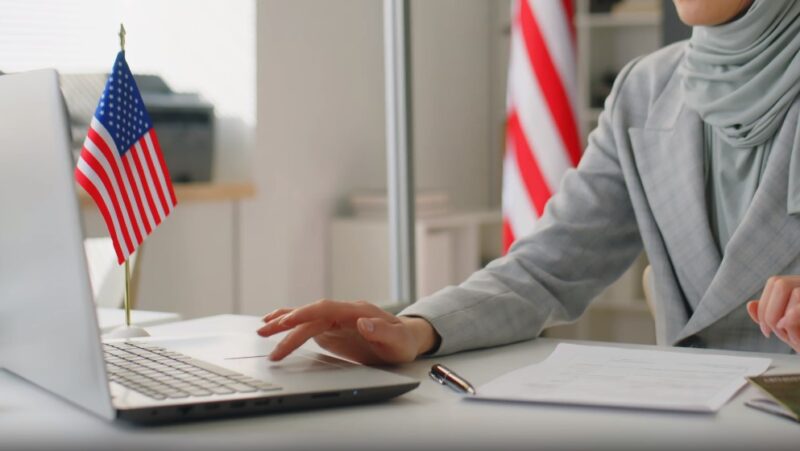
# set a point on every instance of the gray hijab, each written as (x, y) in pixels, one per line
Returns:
(742, 77)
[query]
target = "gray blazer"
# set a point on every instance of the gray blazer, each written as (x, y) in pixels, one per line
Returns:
(639, 185)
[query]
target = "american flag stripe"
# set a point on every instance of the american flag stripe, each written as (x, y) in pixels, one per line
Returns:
(508, 234)
(152, 185)
(516, 198)
(553, 87)
(164, 170)
(107, 189)
(106, 178)
(156, 168)
(542, 140)
(532, 177)
(133, 179)
(97, 136)
(537, 123)
(109, 148)
(92, 184)
(569, 13)
(557, 33)
(150, 207)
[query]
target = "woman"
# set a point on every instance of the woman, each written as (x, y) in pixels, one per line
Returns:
(695, 159)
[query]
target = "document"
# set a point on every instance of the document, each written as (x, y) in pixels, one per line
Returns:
(621, 377)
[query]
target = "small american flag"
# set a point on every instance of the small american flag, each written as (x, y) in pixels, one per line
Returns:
(121, 166)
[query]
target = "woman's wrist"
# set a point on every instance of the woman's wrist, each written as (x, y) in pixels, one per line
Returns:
(426, 337)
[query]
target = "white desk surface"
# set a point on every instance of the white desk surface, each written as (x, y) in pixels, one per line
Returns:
(110, 318)
(429, 417)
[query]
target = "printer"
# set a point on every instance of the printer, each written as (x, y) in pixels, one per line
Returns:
(184, 122)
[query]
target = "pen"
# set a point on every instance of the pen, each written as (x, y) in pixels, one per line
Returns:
(444, 376)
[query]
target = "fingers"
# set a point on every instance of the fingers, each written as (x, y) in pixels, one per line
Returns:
(778, 310)
(272, 321)
(276, 313)
(792, 328)
(273, 327)
(783, 323)
(341, 312)
(789, 325)
(762, 304)
(335, 322)
(297, 337)
(781, 292)
(752, 310)
(284, 319)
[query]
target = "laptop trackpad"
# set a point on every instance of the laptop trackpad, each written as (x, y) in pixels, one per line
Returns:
(249, 355)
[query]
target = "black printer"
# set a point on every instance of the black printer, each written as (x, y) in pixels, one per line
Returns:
(184, 122)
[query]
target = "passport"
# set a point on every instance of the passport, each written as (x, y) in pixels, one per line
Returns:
(783, 391)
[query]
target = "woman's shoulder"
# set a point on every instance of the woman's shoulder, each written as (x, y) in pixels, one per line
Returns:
(661, 63)
(654, 70)
(643, 80)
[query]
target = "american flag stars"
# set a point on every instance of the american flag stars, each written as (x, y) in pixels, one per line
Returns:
(121, 109)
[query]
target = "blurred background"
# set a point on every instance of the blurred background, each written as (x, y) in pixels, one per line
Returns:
(271, 114)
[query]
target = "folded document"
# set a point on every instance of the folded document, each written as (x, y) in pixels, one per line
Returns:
(622, 377)
(784, 394)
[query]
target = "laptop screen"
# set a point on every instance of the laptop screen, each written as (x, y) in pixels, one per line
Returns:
(48, 329)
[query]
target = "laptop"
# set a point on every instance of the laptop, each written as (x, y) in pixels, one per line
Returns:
(48, 327)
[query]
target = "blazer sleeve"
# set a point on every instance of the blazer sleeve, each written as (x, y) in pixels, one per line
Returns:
(586, 238)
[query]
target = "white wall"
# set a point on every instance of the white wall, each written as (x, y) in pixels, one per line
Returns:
(451, 98)
(308, 76)
(207, 46)
(320, 127)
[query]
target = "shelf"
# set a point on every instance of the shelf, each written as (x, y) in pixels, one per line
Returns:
(210, 192)
(611, 20)
(453, 218)
(198, 192)
(449, 248)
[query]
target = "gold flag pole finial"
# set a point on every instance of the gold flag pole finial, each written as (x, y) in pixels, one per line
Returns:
(122, 37)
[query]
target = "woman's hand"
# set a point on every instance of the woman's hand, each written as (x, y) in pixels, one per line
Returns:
(358, 331)
(778, 310)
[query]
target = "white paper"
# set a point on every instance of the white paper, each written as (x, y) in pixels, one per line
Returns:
(620, 377)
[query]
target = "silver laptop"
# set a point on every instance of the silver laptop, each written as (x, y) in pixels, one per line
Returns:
(48, 327)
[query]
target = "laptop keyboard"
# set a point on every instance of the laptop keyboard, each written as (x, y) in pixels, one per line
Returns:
(162, 374)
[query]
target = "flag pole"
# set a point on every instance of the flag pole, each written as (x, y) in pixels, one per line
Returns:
(127, 331)
(127, 292)
(127, 301)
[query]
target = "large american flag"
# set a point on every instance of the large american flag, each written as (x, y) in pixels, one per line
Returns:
(542, 139)
(121, 166)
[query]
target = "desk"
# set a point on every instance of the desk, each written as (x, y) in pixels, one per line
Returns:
(429, 417)
(110, 318)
